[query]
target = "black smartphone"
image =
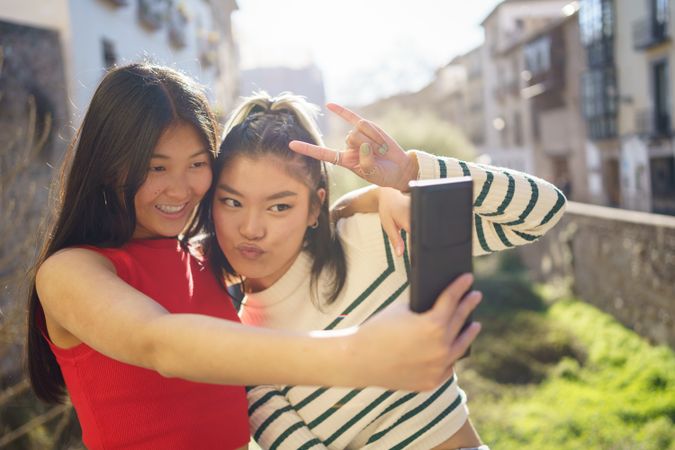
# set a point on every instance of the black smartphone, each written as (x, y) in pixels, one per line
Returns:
(441, 224)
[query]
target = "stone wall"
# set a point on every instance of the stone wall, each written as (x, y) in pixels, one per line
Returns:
(621, 261)
(34, 133)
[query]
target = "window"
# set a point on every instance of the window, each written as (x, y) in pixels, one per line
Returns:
(590, 14)
(663, 185)
(599, 102)
(538, 56)
(109, 53)
(660, 11)
(596, 23)
(659, 19)
(661, 98)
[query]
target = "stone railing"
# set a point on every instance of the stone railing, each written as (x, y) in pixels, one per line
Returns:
(621, 261)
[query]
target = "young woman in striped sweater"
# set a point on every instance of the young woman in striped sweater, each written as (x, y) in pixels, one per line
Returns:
(271, 223)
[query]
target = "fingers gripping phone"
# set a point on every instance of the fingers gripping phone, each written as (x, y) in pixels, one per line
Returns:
(441, 237)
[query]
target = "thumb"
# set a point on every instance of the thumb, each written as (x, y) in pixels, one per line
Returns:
(447, 302)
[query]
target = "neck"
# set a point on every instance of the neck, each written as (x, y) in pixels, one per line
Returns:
(253, 285)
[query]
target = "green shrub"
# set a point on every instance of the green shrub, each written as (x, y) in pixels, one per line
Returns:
(551, 373)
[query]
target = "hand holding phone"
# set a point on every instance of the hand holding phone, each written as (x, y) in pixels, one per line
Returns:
(441, 236)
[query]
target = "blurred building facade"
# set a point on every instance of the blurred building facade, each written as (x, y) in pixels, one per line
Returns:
(644, 53)
(508, 136)
(193, 36)
(577, 92)
(554, 65)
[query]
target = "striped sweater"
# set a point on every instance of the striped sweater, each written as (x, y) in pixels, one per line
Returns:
(511, 209)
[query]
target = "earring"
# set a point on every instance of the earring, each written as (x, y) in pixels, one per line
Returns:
(315, 225)
(105, 198)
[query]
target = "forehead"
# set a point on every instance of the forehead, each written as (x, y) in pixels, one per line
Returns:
(261, 174)
(180, 137)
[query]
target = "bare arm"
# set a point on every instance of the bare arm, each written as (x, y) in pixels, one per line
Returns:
(363, 200)
(81, 294)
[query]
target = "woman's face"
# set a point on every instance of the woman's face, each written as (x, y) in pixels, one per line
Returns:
(261, 214)
(178, 177)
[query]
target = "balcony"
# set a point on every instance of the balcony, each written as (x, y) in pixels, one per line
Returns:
(653, 124)
(648, 33)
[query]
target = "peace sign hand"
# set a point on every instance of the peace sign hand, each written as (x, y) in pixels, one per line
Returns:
(370, 153)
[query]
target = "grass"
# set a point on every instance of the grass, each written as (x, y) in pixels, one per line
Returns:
(552, 372)
(549, 371)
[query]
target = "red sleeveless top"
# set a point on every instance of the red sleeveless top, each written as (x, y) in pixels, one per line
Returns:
(124, 406)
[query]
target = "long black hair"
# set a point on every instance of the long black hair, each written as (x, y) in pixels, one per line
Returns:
(103, 170)
(262, 126)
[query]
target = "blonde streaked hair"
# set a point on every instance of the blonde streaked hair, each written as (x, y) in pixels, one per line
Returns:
(261, 101)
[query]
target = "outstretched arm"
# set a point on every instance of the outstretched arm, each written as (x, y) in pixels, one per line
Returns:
(511, 208)
(120, 322)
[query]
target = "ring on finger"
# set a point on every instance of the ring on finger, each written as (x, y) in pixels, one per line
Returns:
(337, 158)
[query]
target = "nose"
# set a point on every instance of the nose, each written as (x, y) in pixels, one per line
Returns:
(253, 227)
(179, 188)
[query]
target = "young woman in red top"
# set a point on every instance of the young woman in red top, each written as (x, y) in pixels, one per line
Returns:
(126, 319)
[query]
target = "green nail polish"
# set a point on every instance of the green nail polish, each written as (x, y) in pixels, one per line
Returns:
(383, 149)
(365, 149)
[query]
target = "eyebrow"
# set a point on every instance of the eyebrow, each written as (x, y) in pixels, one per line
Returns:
(160, 156)
(276, 196)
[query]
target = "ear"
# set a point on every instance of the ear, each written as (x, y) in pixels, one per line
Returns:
(321, 192)
(314, 214)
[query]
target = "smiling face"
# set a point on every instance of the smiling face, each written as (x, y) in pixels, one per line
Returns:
(261, 214)
(178, 177)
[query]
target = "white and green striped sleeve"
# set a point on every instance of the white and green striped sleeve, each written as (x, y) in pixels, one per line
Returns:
(511, 208)
(274, 422)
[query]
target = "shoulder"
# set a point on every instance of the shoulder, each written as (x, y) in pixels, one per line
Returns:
(75, 256)
(362, 235)
(70, 262)
(360, 228)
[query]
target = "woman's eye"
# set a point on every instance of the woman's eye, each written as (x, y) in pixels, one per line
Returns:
(280, 207)
(156, 169)
(200, 164)
(230, 202)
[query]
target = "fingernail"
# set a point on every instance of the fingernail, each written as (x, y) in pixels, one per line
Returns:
(383, 149)
(399, 250)
(365, 149)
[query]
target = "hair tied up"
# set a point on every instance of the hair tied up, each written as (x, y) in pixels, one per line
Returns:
(262, 103)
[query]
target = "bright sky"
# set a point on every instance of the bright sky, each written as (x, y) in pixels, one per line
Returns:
(366, 49)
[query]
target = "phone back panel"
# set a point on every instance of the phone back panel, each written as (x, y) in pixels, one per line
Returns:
(441, 236)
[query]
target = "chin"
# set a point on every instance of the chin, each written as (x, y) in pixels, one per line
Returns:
(244, 269)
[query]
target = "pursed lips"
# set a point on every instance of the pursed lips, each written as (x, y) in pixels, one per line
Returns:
(249, 251)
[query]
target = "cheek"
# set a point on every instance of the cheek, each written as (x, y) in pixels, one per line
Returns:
(202, 182)
(221, 223)
(146, 193)
(293, 232)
